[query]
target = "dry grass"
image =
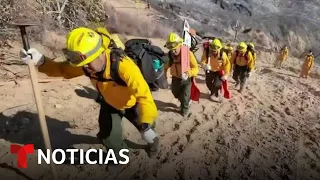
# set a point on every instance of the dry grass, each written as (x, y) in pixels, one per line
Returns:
(55, 15)
(56, 18)
(125, 23)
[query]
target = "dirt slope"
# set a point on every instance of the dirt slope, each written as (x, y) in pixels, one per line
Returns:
(271, 131)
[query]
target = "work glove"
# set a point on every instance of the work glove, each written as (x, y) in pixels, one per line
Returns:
(148, 134)
(224, 78)
(32, 55)
(184, 76)
(207, 67)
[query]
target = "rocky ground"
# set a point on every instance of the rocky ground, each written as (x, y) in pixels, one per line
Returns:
(271, 131)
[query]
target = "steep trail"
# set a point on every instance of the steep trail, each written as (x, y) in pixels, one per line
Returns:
(271, 131)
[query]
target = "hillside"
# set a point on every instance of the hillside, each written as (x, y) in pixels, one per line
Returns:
(271, 131)
(291, 22)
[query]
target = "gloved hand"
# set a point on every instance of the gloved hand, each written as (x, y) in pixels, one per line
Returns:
(207, 67)
(224, 78)
(148, 135)
(184, 76)
(32, 55)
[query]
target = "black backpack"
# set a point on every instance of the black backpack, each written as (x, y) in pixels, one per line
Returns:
(253, 52)
(143, 53)
(194, 44)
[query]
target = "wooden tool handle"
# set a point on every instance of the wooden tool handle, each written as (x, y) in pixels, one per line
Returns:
(41, 114)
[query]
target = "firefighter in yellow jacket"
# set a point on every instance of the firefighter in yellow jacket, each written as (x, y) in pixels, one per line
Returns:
(243, 65)
(89, 51)
(250, 47)
(213, 61)
(307, 65)
(181, 82)
(284, 52)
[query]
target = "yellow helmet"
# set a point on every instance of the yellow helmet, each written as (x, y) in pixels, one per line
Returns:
(252, 45)
(216, 45)
(83, 46)
(174, 41)
(242, 47)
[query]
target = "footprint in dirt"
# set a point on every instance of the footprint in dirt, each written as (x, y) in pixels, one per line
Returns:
(248, 152)
(176, 127)
(287, 111)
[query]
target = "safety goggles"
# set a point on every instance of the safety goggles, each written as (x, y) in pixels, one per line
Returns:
(173, 45)
(214, 48)
(76, 57)
(241, 48)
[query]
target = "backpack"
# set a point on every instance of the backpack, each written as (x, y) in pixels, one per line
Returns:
(253, 52)
(146, 56)
(246, 56)
(150, 59)
(194, 44)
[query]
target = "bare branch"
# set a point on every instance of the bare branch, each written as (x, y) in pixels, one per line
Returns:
(61, 10)
(58, 5)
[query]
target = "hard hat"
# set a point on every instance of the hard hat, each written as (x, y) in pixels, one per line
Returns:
(242, 46)
(83, 46)
(252, 45)
(216, 45)
(174, 41)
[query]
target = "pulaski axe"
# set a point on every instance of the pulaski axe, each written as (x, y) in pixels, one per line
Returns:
(36, 93)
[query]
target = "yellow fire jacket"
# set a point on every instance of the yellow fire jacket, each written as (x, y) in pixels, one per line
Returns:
(284, 54)
(120, 97)
(308, 62)
(217, 62)
(243, 60)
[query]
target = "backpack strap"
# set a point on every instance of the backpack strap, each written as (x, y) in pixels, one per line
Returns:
(207, 53)
(221, 53)
(171, 58)
(116, 56)
(246, 56)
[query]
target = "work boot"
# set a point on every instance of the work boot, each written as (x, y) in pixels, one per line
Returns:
(237, 84)
(241, 88)
(184, 112)
(152, 149)
(215, 98)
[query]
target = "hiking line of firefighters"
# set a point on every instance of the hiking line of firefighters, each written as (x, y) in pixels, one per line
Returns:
(124, 87)
(219, 61)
